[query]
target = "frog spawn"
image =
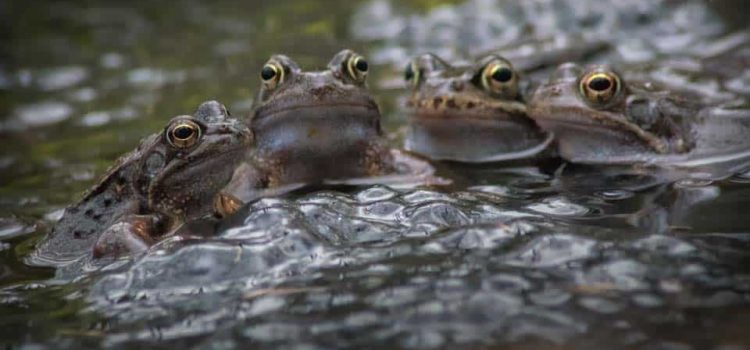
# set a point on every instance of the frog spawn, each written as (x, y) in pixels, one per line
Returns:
(400, 264)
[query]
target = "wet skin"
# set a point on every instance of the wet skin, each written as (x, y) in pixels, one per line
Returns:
(469, 113)
(172, 176)
(312, 128)
(600, 118)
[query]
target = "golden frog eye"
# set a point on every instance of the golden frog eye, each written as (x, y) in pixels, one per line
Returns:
(357, 67)
(272, 74)
(184, 134)
(599, 87)
(499, 78)
(411, 74)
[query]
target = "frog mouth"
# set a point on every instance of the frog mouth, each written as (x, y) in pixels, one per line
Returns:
(592, 142)
(570, 126)
(478, 140)
(304, 114)
(305, 110)
(465, 107)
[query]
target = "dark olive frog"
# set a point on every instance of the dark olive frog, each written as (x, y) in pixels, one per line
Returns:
(471, 113)
(172, 176)
(314, 127)
(600, 118)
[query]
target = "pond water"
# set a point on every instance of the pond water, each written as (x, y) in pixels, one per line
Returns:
(523, 255)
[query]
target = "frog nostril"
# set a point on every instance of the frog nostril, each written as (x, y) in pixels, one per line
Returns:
(457, 85)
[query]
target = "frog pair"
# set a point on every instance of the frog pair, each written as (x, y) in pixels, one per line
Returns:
(488, 111)
(306, 127)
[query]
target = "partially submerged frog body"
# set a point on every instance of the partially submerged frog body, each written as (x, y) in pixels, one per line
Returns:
(315, 127)
(172, 176)
(470, 113)
(599, 117)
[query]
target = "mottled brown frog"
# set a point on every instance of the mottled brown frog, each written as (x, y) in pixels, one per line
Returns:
(172, 176)
(471, 112)
(317, 127)
(600, 117)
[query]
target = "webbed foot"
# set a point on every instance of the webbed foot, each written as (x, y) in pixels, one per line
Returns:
(131, 234)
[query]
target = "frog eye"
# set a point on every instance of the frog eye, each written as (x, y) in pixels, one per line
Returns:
(599, 87)
(498, 77)
(411, 74)
(183, 134)
(272, 74)
(357, 67)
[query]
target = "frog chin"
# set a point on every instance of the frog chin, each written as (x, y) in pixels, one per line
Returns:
(475, 139)
(594, 143)
(317, 129)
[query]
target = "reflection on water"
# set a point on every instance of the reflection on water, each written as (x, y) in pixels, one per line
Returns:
(525, 254)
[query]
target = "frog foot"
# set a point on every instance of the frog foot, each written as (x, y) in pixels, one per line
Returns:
(128, 235)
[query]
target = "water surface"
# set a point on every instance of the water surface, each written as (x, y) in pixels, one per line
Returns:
(510, 256)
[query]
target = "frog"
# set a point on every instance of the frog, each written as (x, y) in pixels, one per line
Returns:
(171, 177)
(316, 128)
(472, 112)
(601, 116)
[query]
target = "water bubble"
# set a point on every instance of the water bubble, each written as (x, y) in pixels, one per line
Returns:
(647, 300)
(553, 251)
(664, 244)
(375, 194)
(270, 332)
(698, 180)
(559, 206)
(600, 305)
(266, 304)
(615, 194)
(550, 297)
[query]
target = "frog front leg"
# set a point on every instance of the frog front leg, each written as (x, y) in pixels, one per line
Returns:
(241, 189)
(127, 235)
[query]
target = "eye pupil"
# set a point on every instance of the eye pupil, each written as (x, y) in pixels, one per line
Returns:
(267, 73)
(408, 72)
(361, 65)
(502, 74)
(600, 84)
(183, 132)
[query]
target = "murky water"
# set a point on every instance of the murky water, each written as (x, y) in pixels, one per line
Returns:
(522, 255)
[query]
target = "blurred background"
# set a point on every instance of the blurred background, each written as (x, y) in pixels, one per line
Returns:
(81, 82)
